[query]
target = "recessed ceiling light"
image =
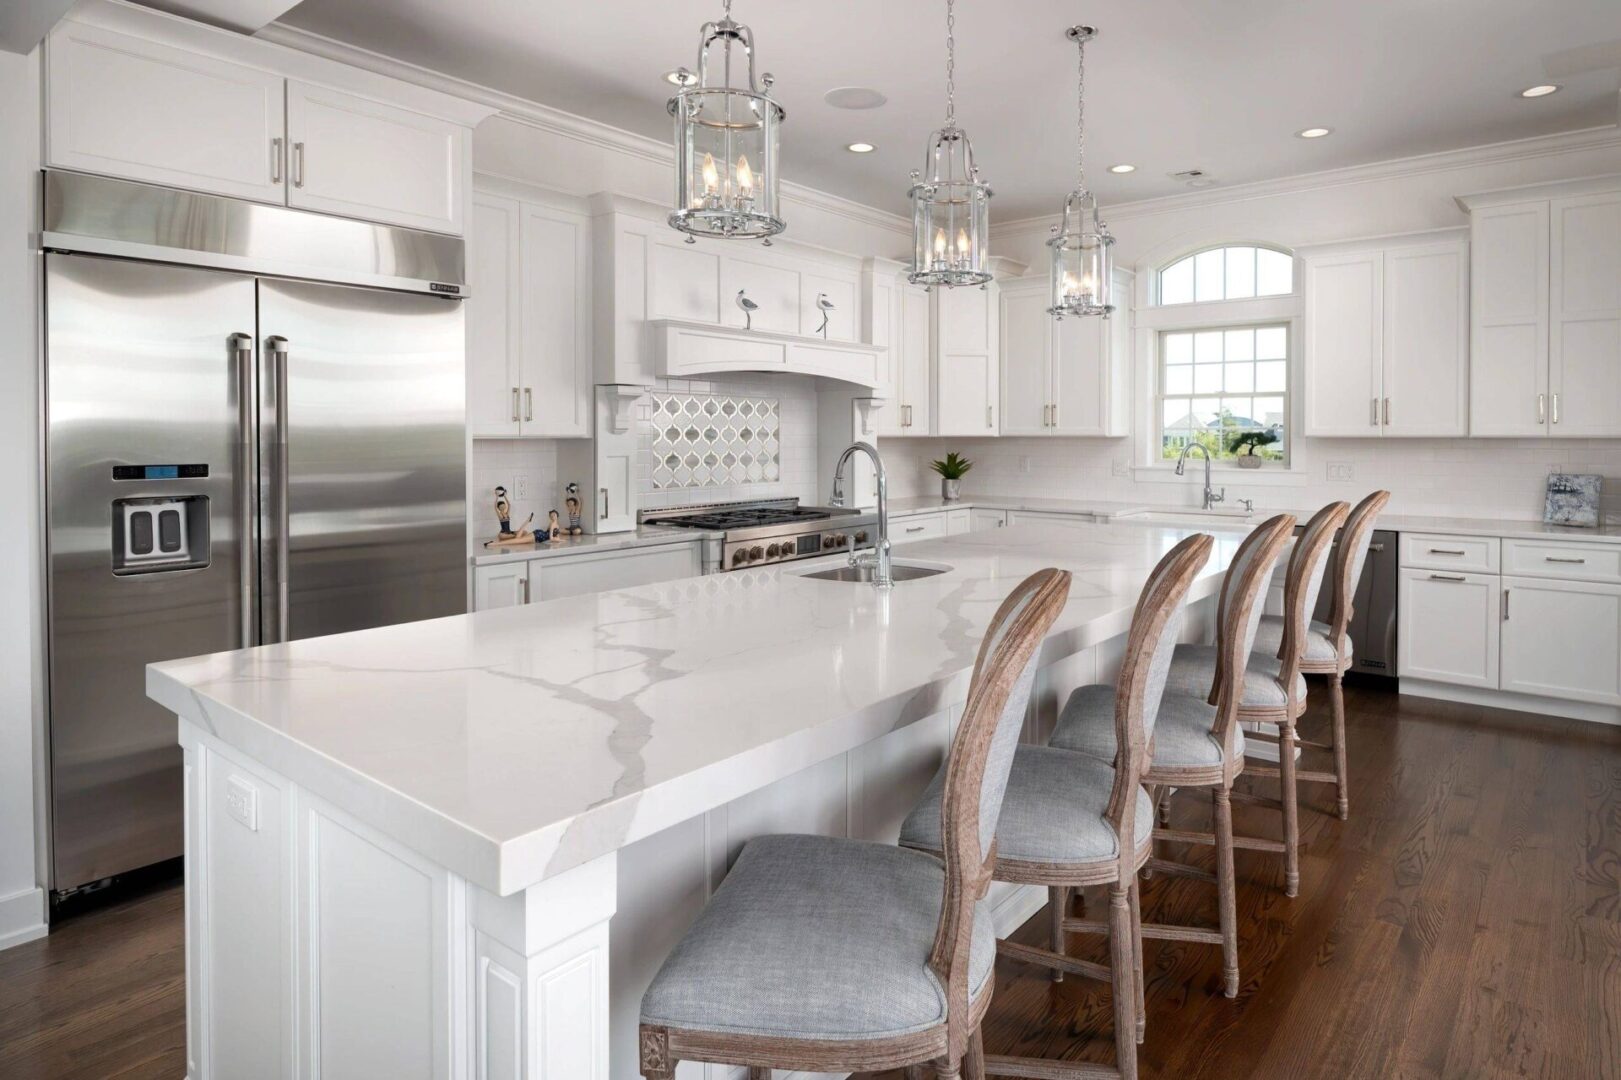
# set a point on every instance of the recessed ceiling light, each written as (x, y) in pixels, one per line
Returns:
(680, 77)
(1540, 91)
(861, 148)
(1122, 168)
(854, 97)
(1314, 133)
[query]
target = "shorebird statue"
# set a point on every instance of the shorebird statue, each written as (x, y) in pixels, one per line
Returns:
(827, 309)
(749, 308)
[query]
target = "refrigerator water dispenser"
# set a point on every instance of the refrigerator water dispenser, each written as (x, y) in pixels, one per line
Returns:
(166, 533)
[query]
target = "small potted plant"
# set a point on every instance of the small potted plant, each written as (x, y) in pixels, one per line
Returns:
(1247, 441)
(952, 468)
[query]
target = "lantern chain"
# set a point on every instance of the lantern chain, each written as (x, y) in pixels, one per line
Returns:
(1080, 114)
(951, 64)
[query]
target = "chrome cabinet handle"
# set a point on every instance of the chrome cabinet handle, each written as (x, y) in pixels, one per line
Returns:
(1376, 547)
(1555, 558)
(275, 160)
(1556, 408)
(514, 404)
(915, 528)
(1373, 412)
(1387, 412)
(604, 516)
(298, 164)
(247, 400)
(528, 403)
(525, 583)
(1448, 577)
(1445, 551)
(278, 352)
(988, 422)
(1542, 408)
(1505, 605)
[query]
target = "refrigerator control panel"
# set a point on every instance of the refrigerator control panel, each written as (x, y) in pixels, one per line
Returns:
(166, 533)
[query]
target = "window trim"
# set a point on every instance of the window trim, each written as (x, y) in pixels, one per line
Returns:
(1154, 286)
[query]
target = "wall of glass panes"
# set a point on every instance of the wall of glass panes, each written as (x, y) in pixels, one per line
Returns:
(1224, 388)
(1227, 273)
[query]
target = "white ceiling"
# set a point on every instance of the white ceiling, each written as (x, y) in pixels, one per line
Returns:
(1172, 84)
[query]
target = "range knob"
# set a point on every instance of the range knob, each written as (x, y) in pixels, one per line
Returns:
(829, 540)
(773, 551)
(842, 539)
(738, 556)
(861, 537)
(755, 553)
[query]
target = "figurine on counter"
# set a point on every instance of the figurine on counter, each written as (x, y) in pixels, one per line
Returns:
(503, 510)
(572, 505)
(554, 530)
(508, 535)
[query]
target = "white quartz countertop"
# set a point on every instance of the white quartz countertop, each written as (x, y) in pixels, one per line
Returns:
(641, 536)
(513, 744)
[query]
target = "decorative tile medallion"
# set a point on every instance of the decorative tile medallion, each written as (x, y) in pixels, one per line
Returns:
(713, 440)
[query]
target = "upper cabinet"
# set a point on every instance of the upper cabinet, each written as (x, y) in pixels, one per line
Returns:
(1063, 376)
(1387, 333)
(1546, 322)
(967, 368)
(528, 318)
(187, 106)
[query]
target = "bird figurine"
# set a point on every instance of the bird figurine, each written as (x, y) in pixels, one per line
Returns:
(827, 310)
(749, 308)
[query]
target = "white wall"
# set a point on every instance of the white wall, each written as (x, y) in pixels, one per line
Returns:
(22, 901)
(1491, 478)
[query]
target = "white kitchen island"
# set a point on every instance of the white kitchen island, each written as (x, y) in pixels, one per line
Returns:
(461, 848)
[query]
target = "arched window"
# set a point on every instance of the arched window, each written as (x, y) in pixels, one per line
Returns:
(1239, 272)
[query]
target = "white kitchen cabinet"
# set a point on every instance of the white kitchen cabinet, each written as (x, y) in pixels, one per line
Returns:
(982, 518)
(917, 527)
(959, 521)
(1039, 517)
(499, 585)
(967, 371)
(507, 584)
(1508, 320)
(1448, 627)
(1387, 333)
(528, 320)
(1562, 639)
(1068, 376)
(1584, 316)
(360, 158)
(1028, 336)
(124, 106)
(909, 410)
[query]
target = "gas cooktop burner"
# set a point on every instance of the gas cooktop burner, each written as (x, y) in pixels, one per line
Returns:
(747, 517)
(772, 531)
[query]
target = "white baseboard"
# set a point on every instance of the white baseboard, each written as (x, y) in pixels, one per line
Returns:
(22, 917)
(1508, 699)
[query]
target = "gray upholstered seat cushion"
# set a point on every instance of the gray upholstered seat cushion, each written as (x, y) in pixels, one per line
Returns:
(1193, 670)
(1181, 733)
(1052, 812)
(816, 937)
(1319, 640)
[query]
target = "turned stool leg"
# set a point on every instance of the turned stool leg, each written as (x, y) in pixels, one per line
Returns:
(945, 1069)
(1122, 979)
(1226, 888)
(1138, 976)
(1291, 806)
(1057, 905)
(1336, 690)
(973, 1067)
(759, 1072)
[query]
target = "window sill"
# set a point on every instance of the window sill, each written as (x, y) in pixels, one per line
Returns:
(1266, 476)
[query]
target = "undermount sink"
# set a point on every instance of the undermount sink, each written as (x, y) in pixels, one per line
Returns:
(866, 571)
(1232, 519)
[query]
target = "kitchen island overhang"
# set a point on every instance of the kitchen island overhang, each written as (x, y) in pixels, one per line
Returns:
(483, 788)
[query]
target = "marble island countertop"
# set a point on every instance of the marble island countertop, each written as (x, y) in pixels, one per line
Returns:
(511, 745)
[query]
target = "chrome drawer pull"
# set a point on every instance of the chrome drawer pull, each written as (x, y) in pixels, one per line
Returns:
(1555, 558)
(916, 528)
(1448, 577)
(1445, 551)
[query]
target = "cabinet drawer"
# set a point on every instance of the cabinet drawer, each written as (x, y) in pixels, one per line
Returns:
(577, 575)
(922, 527)
(1574, 562)
(1033, 517)
(1466, 554)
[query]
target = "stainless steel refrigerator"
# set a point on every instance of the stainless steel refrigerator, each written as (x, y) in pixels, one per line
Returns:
(232, 459)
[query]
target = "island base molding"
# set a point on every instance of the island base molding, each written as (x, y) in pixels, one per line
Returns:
(317, 947)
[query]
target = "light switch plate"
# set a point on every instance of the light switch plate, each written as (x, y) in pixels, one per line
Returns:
(242, 802)
(1341, 471)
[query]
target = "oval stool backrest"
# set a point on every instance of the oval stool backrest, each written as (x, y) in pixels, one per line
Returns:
(1349, 557)
(1238, 619)
(1308, 562)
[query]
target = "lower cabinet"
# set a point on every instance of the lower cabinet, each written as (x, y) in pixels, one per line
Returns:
(917, 527)
(554, 577)
(1562, 639)
(1448, 628)
(986, 519)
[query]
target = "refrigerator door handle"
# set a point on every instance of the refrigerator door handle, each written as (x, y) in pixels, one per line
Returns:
(278, 351)
(247, 398)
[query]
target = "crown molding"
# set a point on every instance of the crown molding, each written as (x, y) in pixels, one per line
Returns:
(557, 122)
(1540, 146)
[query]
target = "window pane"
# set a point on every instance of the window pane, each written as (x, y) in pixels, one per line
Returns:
(1272, 376)
(1207, 379)
(1208, 280)
(1269, 412)
(1240, 378)
(1207, 347)
(1240, 345)
(1179, 379)
(1176, 413)
(1176, 283)
(1240, 272)
(1274, 273)
(1179, 348)
(1207, 413)
(1271, 343)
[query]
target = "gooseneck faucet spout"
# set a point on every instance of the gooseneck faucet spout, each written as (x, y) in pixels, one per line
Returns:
(882, 578)
(1211, 498)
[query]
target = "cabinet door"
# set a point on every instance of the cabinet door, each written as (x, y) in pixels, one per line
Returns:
(123, 106)
(986, 519)
(1448, 627)
(1081, 376)
(1027, 339)
(363, 159)
(1562, 639)
(1508, 320)
(775, 289)
(1584, 331)
(556, 304)
(1426, 340)
(501, 585)
(577, 575)
(916, 415)
(494, 381)
(1344, 343)
(966, 374)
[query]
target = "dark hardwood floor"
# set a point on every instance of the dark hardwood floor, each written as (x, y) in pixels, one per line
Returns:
(1466, 922)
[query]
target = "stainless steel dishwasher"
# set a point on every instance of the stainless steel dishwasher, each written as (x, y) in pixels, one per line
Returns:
(1373, 608)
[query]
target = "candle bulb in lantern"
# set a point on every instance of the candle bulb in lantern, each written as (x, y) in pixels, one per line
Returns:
(962, 247)
(1072, 287)
(711, 176)
(939, 247)
(745, 178)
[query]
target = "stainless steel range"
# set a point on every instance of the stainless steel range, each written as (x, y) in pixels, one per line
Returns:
(770, 531)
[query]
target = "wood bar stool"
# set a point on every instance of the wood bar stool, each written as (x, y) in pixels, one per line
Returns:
(1328, 648)
(1193, 742)
(831, 955)
(1070, 820)
(1273, 689)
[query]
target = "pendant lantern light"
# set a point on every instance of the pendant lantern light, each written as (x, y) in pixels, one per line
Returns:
(726, 142)
(1081, 259)
(950, 204)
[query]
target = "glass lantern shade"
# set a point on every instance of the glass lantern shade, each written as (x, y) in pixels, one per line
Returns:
(950, 215)
(726, 147)
(1082, 263)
